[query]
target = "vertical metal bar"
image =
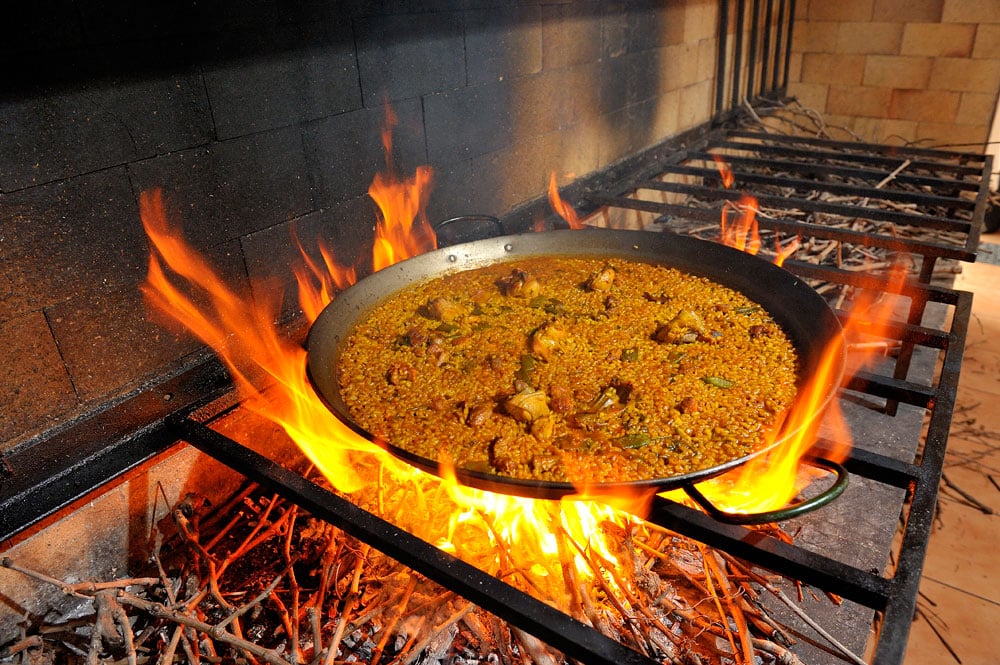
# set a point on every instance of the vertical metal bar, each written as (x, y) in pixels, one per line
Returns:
(778, 45)
(737, 97)
(720, 64)
(898, 614)
(917, 307)
(766, 56)
(788, 45)
(754, 37)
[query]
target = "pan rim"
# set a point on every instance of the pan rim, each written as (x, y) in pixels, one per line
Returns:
(728, 265)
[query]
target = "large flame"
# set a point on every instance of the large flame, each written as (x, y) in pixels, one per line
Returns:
(562, 208)
(770, 481)
(496, 532)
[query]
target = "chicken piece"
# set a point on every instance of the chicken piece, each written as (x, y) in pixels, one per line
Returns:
(542, 428)
(602, 280)
(686, 327)
(401, 373)
(443, 309)
(545, 340)
(527, 406)
(478, 416)
(519, 284)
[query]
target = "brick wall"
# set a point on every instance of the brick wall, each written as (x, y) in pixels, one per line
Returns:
(892, 70)
(260, 116)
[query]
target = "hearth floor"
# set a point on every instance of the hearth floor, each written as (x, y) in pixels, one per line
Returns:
(960, 588)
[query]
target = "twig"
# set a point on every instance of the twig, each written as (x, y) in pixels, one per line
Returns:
(7, 562)
(352, 599)
(715, 565)
(159, 611)
(240, 611)
(167, 657)
(431, 634)
(390, 627)
(976, 503)
(781, 655)
(937, 633)
(792, 605)
(32, 642)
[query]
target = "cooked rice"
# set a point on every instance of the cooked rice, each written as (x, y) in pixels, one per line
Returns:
(660, 374)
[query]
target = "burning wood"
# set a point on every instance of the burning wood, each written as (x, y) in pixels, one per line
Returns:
(262, 582)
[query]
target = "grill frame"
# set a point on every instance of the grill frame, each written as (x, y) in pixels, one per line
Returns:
(158, 416)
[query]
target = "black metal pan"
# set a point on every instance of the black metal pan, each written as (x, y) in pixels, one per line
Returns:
(802, 313)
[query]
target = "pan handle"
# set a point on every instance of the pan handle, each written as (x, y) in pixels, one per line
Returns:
(781, 514)
(467, 228)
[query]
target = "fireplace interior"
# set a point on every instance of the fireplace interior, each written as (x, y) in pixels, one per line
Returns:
(263, 125)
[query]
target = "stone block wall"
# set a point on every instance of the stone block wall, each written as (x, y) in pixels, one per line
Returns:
(264, 116)
(924, 71)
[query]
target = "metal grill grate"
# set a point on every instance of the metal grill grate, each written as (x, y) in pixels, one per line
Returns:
(944, 195)
(929, 211)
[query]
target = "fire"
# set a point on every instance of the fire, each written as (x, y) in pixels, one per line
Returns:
(562, 208)
(247, 340)
(556, 542)
(771, 481)
(738, 224)
(741, 233)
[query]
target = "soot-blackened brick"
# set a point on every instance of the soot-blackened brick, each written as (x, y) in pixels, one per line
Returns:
(32, 27)
(100, 124)
(502, 43)
(345, 152)
(110, 339)
(36, 386)
(409, 55)
(306, 72)
(571, 34)
(66, 238)
(345, 230)
(231, 188)
(468, 122)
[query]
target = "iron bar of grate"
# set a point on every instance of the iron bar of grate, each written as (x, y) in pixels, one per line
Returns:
(575, 639)
(767, 59)
(813, 168)
(891, 388)
(793, 227)
(840, 188)
(754, 40)
(870, 281)
(780, 78)
(899, 612)
(874, 466)
(44, 475)
(935, 222)
(720, 60)
(738, 94)
(860, 586)
(843, 156)
(859, 146)
(932, 222)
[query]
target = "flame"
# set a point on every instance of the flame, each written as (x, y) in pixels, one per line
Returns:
(772, 480)
(554, 543)
(247, 340)
(724, 171)
(741, 233)
(402, 230)
(562, 208)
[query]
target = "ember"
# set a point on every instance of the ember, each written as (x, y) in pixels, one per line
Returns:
(261, 579)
